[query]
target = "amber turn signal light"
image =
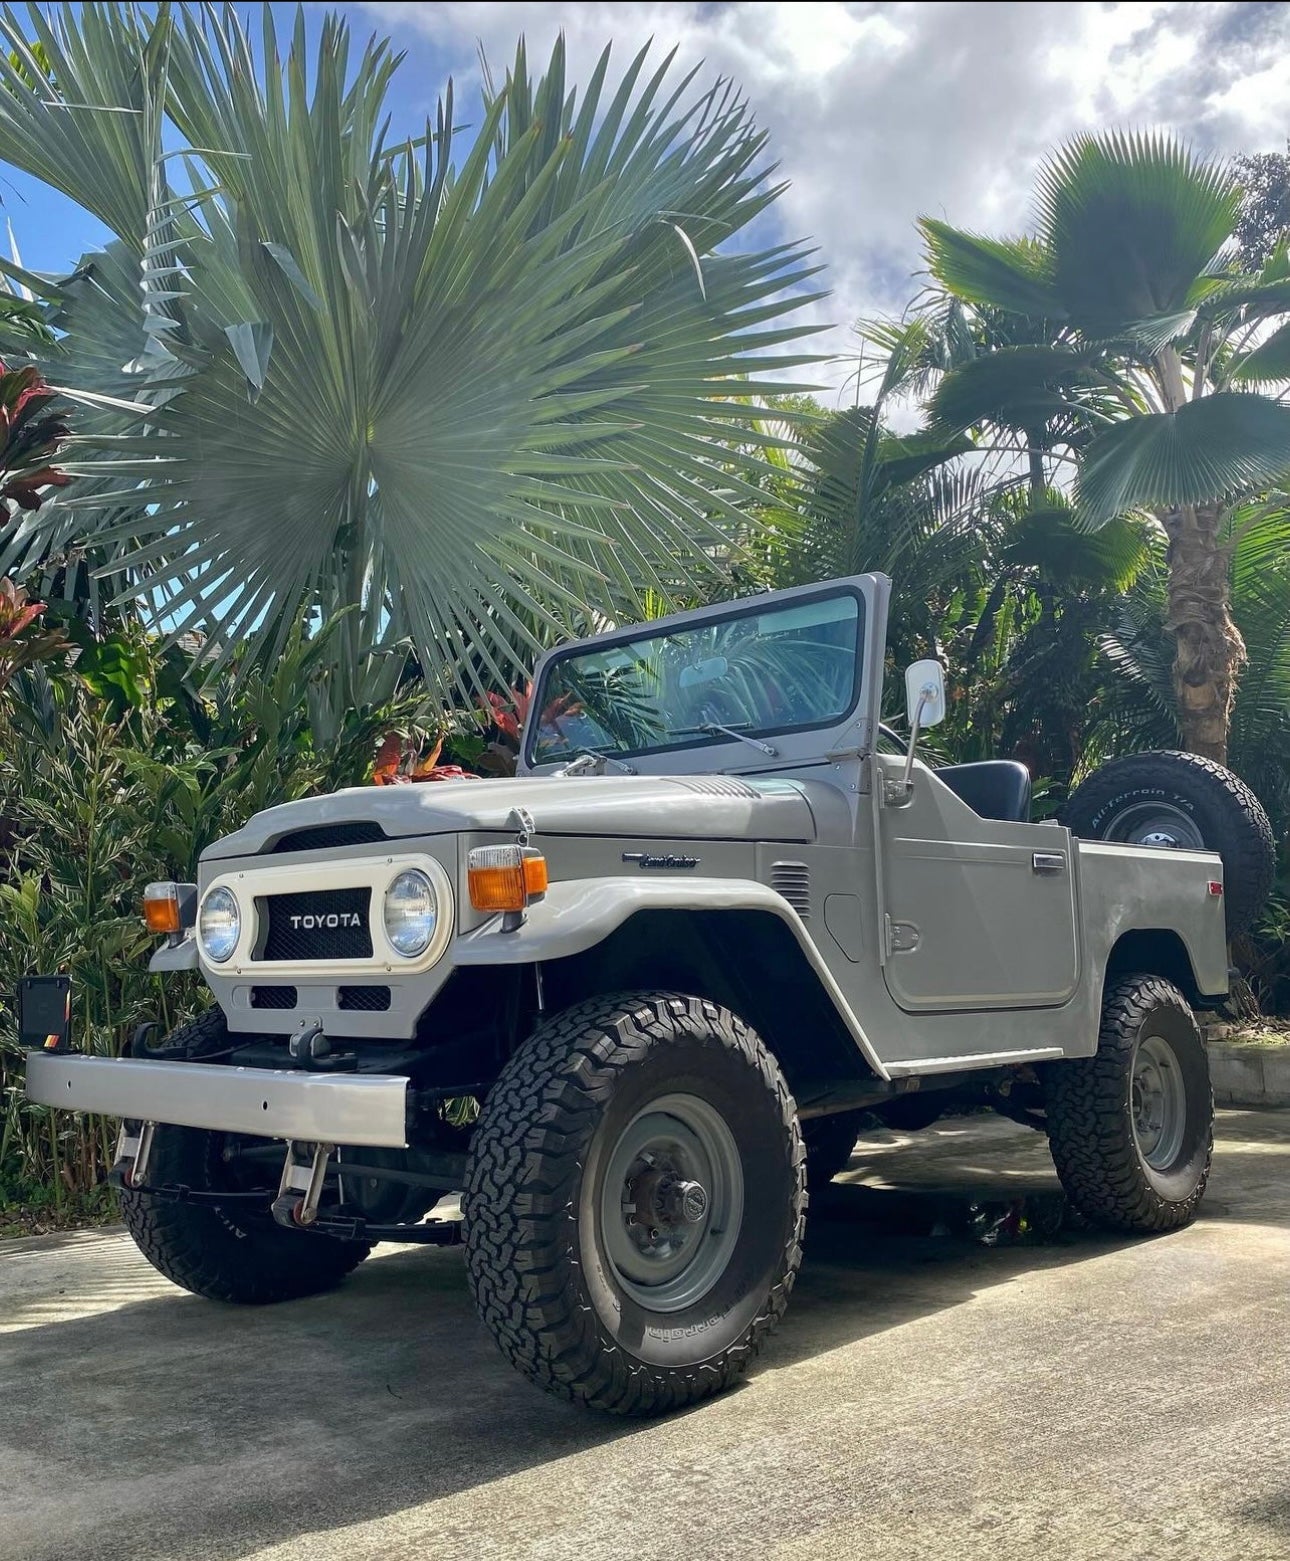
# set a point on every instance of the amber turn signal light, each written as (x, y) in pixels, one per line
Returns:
(169, 907)
(505, 878)
(161, 907)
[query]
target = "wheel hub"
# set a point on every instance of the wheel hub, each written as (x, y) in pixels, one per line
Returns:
(1155, 824)
(656, 1197)
(1158, 1102)
(671, 1202)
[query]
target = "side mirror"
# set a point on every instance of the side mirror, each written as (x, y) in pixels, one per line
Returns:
(924, 695)
(924, 706)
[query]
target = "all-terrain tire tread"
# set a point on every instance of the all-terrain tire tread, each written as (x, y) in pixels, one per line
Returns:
(1090, 1128)
(521, 1188)
(1249, 856)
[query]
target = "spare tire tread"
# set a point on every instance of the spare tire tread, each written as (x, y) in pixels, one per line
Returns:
(1235, 823)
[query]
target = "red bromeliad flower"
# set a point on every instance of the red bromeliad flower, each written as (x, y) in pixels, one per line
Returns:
(31, 432)
(396, 751)
(22, 641)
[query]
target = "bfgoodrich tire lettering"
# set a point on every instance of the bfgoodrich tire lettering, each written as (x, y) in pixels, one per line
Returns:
(1212, 808)
(542, 1272)
(1124, 1163)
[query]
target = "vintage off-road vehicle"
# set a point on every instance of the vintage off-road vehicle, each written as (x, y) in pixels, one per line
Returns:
(718, 913)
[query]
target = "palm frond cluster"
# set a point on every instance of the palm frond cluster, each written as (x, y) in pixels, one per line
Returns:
(448, 391)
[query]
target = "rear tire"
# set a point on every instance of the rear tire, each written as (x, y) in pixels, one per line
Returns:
(601, 1271)
(225, 1253)
(1131, 1128)
(1181, 800)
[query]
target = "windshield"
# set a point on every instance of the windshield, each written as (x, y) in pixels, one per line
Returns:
(781, 669)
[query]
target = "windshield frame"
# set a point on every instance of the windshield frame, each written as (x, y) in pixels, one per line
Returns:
(661, 628)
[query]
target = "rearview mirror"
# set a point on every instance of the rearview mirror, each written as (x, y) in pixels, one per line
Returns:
(924, 695)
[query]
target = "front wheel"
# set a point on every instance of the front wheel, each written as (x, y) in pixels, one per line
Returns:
(635, 1202)
(1131, 1128)
(230, 1251)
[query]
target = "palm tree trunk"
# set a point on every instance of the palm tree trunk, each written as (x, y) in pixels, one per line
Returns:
(1209, 653)
(1038, 476)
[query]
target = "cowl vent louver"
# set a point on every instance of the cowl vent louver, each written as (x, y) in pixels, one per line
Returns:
(715, 786)
(329, 837)
(793, 881)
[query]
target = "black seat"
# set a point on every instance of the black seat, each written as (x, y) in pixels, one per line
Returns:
(996, 788)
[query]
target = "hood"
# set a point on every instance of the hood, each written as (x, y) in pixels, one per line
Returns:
(689, 807)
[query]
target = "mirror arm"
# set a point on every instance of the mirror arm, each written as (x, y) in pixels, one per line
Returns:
(906, 779)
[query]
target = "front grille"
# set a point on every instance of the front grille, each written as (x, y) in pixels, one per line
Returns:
(273, 997)
(327, 924)
(793, 881)
(329, 837)
(364, 999)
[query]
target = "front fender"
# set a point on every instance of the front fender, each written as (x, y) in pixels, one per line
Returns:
(577, 914)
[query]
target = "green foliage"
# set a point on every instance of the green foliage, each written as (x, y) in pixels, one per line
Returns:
(114, 774)
(1112, 336)
(1265, 206)
(1205, 451)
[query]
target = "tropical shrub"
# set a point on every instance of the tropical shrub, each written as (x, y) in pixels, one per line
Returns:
(115, 772)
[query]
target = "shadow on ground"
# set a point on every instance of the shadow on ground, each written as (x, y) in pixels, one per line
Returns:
(186, 1428)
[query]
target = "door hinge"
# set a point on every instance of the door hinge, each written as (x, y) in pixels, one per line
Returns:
(901, 936)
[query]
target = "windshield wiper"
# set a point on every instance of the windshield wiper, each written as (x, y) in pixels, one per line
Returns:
(713, 728)
(587, 760)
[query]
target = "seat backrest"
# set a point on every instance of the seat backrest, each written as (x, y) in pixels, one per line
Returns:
(995, 788)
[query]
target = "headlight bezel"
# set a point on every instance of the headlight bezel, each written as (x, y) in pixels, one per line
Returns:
(417, 876)
(255, 882)
(220, 892)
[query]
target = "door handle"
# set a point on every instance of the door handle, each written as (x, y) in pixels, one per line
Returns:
(1047, 862)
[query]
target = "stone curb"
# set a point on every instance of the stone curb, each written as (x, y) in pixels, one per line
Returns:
(1252, 1076)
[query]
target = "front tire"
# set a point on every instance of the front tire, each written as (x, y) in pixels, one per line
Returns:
(635, 1202)
(227, 1252)
(1131, 1128)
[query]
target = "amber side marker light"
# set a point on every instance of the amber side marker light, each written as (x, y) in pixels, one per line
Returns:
(505, 878)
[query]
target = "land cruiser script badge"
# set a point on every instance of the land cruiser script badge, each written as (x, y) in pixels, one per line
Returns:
(643, 860)
(332, 920)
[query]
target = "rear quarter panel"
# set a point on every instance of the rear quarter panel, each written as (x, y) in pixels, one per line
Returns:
(1126, 888)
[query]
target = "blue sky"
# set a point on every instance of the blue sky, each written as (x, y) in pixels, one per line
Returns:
(877, 112)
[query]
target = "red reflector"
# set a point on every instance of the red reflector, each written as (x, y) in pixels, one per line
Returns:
(1215, 887)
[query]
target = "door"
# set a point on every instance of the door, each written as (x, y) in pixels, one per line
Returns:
(973, 913)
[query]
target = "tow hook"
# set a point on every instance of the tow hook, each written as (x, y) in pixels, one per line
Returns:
(301, 1177)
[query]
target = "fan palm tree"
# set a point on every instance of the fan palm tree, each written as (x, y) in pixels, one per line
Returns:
(449, 392)
(1123, 349)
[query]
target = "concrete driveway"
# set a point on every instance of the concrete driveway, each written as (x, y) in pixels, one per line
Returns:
(959, 1376)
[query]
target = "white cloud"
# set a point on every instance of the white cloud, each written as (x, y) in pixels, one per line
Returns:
(879, 113)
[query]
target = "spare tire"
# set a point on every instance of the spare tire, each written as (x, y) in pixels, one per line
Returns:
(1181, 801)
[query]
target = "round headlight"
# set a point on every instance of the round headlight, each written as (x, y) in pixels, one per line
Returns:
(411, 913)
(219, 924)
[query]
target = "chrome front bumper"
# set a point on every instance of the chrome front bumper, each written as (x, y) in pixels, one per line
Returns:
(368, 1109)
